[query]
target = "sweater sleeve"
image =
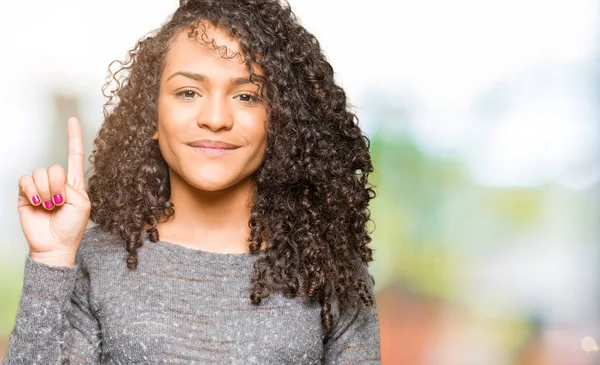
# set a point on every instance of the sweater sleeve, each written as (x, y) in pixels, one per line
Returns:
(354, 338)
(54, 323)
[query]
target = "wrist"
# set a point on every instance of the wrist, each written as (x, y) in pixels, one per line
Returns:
(53, 258)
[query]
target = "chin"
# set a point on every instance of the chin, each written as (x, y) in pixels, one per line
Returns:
(212, 181)
(212, 177)
(208, 184)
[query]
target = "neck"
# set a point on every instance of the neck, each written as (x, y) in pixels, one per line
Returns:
(210, 220)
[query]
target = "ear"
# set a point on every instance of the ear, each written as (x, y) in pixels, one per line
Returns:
(155, 136)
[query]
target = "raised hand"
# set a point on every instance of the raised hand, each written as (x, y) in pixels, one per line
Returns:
(54, 207)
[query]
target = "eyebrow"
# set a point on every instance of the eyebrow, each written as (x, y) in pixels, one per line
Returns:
(203, 78)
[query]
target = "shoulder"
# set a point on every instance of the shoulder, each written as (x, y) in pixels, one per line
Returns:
(354, 306)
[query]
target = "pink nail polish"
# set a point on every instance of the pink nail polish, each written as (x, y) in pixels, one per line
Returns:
(58, 199)
(36, 199)
(48, 204)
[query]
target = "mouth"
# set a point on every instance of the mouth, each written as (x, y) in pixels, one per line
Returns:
(213, 151)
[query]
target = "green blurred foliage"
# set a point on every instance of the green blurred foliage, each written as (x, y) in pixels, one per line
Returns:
(10, 291)
(429, 217)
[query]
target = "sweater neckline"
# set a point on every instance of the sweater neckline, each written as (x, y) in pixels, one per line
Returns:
(188, 252)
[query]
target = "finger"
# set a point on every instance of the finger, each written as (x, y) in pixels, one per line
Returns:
(56, 180)
(78, 199)
(75, 154)
(40, 178)
(28, 190)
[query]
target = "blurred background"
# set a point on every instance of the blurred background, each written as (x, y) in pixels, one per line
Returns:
(484, 118)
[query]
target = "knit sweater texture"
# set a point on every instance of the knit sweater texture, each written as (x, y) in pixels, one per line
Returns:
(180, 306)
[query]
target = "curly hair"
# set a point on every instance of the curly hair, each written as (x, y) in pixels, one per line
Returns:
(312, 191)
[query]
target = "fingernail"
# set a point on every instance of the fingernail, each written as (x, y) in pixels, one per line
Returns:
(58, 199)
(36, 199)
(48, 204)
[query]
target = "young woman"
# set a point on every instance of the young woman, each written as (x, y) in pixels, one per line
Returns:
(230, 199)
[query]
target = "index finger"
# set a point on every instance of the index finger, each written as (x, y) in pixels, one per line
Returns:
(75, 154)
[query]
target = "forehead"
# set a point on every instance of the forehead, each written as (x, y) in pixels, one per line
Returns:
(210, 46)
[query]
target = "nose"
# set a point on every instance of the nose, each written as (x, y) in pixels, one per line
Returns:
(215, 114)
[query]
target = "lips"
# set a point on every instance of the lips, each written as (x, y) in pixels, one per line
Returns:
(207, 143)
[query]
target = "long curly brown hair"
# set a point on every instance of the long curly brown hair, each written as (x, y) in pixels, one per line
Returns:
(312, 190)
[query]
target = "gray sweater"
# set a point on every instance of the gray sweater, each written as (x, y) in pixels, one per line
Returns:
(180, 306)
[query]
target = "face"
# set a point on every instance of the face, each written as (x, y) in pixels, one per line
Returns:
(212, 128)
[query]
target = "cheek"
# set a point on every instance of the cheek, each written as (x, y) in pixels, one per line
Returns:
(171, 112)
(258, 137)
(173, 119)
(256, 129)
(260, 148)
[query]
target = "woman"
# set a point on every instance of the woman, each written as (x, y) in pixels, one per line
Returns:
(229, 192)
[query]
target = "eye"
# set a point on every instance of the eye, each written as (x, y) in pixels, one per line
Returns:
(248, 98)
(186, 94)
